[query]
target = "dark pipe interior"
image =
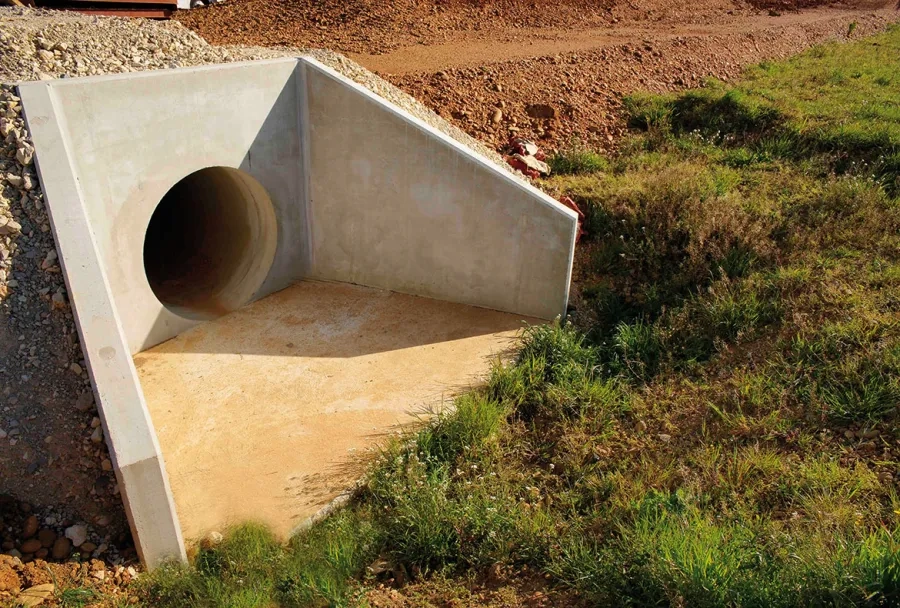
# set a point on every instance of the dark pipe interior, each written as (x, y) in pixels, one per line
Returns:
(198, 241)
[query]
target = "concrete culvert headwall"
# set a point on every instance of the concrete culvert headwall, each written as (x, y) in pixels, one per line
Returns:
(210, 243)
(370, 267)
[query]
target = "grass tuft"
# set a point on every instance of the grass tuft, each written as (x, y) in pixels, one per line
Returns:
(576, 159)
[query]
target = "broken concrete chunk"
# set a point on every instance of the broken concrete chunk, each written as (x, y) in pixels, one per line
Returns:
(533, 164)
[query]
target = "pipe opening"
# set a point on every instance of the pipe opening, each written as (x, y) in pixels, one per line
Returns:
(210, 243)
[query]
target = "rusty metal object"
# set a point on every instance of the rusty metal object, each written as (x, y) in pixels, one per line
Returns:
(149, 9)
(146, 13)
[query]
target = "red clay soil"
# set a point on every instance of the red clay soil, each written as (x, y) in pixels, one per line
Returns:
(552, 72)
(379, 26)
(584, 88)
(20, 582)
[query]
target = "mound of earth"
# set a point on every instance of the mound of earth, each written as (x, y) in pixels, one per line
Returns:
(574, 94)
(374, 26)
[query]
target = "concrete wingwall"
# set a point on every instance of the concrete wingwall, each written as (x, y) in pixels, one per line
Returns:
(362, 192)
(398, 205)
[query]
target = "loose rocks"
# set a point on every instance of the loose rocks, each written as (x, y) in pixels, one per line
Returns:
(30, 546)
(31, 527)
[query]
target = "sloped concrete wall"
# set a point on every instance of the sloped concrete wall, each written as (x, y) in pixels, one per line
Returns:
(398, 205)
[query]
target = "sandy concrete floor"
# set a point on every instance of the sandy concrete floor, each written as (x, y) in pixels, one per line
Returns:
(270, 412)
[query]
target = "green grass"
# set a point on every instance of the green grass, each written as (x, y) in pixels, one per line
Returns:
(836, 102)
(76, 597)
(251, 569)
(716, 422)
(576, 159)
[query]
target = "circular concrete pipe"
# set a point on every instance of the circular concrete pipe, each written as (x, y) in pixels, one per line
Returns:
(210, 243)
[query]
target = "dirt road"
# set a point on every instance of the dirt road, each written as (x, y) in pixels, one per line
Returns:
(568, 87)
(466, 50)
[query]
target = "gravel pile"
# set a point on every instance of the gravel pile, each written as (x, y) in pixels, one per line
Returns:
(52, 451)
(36, 45)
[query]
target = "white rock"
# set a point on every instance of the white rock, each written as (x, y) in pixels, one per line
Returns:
(77, 534)
(49, 260)
(214, 538)
(24, 155)
(58, 301)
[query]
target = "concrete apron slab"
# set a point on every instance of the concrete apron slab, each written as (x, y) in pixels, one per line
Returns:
(269, 413)
(179, 196)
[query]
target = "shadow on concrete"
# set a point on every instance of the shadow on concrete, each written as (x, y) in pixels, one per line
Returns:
(338, 320)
